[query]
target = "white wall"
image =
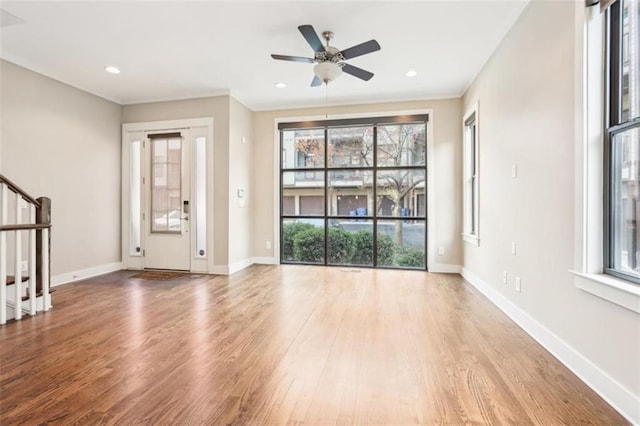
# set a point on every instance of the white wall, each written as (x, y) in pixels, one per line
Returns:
(445, 122)
(63, 143)
(528, 109)
(240, 177)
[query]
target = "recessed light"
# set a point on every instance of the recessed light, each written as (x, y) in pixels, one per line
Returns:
(280, 85)
(111, 69)
(411, 73)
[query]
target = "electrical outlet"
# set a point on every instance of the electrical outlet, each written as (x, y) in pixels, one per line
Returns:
(440, 251)
(24, 266)
(518, 285)
(513, 248)
(504, 277)
(267, 245)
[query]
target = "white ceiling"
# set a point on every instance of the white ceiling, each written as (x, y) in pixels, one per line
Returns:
(176, 50)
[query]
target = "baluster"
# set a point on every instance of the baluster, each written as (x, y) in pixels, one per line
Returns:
(17, 270)
(46, 297)
(32, 262)
(3, 254)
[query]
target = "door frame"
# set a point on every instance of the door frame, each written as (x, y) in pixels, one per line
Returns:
(138, 131)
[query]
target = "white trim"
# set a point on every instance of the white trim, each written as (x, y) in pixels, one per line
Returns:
(231, 268)
(265, 260)
(443, 268)
(219, 270)
(82, 274)
(609, 288)
(589, 262)
(430, 176)
(619, 397)
(240, 265)
(197, 264)
(469, 238)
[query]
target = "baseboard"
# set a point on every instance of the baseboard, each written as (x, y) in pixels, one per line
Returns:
(232, 268)
(265, 260)
(619, 397)
(240, 265)
(85, 273)
(443, 268)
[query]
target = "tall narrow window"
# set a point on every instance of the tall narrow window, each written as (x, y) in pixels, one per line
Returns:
(201, 196)
(470, 177)
(622, 149)
(135, 198)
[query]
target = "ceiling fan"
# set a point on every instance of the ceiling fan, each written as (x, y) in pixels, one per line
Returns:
(330, 60)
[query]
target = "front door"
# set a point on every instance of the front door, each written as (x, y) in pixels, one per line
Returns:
(167, 202)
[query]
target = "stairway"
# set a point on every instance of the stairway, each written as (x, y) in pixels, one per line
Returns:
(24, 252)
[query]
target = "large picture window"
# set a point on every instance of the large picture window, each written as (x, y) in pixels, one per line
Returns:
(353, 192)
(622, 148)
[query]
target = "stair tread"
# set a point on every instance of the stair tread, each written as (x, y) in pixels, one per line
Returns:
(12, 280)
(38, 294)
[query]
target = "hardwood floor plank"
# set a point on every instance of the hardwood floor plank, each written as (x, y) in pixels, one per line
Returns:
(283, 345)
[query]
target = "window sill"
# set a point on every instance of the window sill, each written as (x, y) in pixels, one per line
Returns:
(473, 239)
(609, 288)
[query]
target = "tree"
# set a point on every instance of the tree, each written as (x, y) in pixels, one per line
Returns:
(400, 145)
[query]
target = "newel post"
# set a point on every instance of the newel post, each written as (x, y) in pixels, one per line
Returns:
(43, 216)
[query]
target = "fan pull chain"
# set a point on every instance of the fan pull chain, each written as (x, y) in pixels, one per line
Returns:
(326, 100)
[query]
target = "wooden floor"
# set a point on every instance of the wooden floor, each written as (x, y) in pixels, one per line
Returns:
(283, 344)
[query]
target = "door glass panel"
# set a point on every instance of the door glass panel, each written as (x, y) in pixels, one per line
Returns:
(400, 193)
(135, 199)
(401, 145)
(166, 185)
(350, 147)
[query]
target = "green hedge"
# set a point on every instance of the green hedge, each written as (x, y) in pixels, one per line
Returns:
(304, 242)
(410, 257)
(289, 231)
(341, 246)
(363, 242)
(308, 245)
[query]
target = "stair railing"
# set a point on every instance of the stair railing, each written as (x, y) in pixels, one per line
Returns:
(39, 259)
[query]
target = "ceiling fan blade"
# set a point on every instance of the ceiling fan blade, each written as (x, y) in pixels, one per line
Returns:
(316, 81)
(361, 49)
(357, 72)
(312, 38)
(292, 58)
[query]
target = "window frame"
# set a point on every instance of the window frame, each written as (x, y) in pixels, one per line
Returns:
(326, 125)
(470, 176)
(613, 125)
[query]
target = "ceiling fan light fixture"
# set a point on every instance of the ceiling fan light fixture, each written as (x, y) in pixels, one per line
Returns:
(327, 71)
